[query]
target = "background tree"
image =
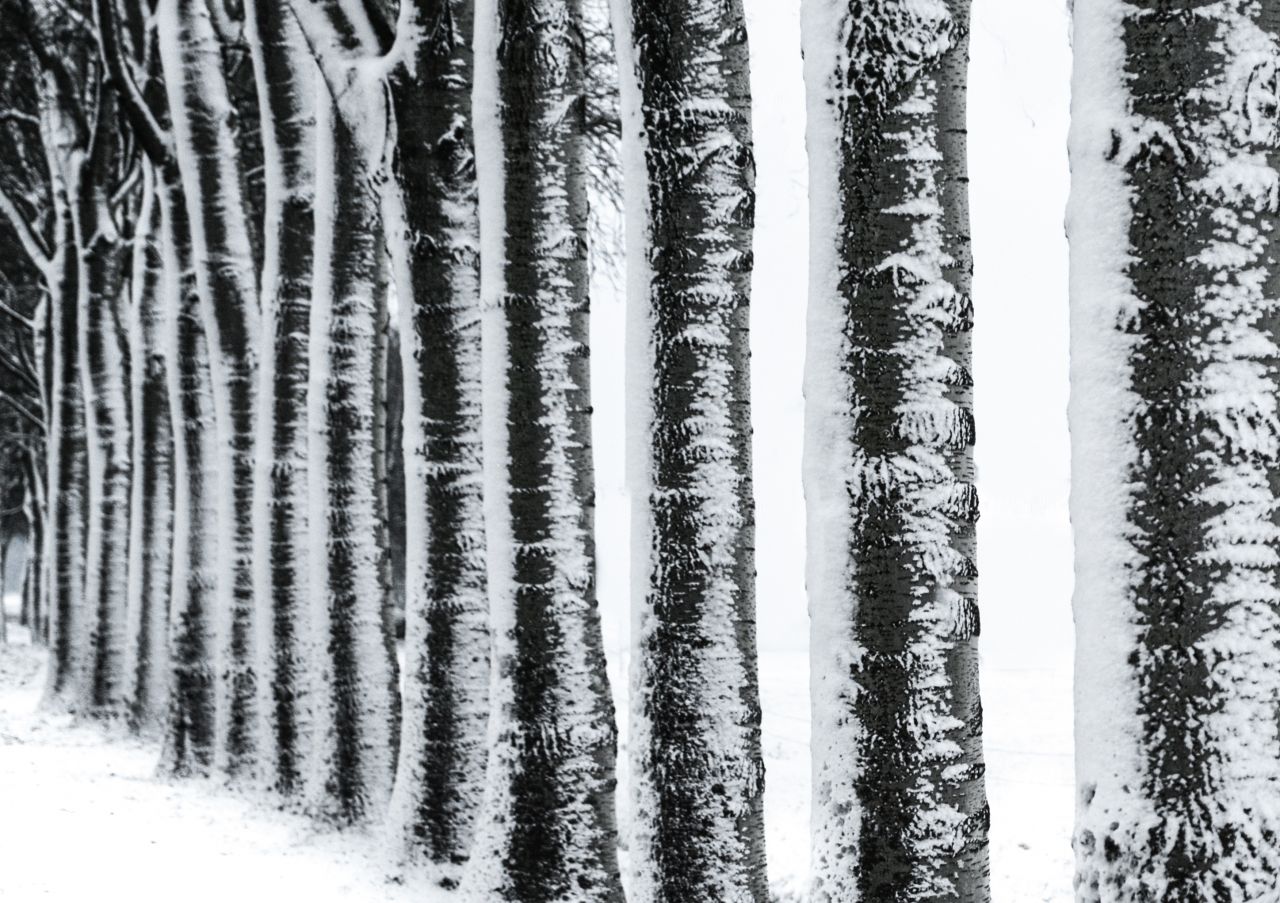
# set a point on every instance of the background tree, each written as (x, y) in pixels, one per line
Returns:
(899, 803)
(1176, 442)
(697, 769)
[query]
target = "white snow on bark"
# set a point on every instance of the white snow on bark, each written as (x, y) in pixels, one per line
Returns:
(209, 161)
(1235, 395)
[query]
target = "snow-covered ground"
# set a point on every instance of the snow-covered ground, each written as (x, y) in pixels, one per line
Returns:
(82, 810)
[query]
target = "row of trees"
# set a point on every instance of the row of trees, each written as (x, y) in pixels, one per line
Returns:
(218, 204)
(212, 212)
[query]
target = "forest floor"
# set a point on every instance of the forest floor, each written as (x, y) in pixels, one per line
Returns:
(83, 814)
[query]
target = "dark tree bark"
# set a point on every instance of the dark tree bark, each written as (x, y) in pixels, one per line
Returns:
(287, 84)
(190, 732)
(222, 251)
(547, 829)
(1176, 444)
(67, 462)
(900, 806)
(697, 768)
(440, 781)
(358, 723)
(103, 363)
(151, 534)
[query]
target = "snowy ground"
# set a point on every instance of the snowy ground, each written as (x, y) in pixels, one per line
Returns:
(81, 811)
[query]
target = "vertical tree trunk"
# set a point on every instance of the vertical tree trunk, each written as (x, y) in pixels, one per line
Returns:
(190, 734)
(33, 583)
(899, 804)
(1176, 445)
(286, 85)
(67, 465)
(102, 366)
(357, 701)
(222, 251)
(697, 768)
(440, 781)
(4, 587)
(547, 828)
(151, 518)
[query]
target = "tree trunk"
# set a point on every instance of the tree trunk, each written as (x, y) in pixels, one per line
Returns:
(67, 464)
(1176, 445)
(287, 84)
(697, 769)
(223, 255)
(4, 586)
(357, 701)
(151, 536)
(440, 781)
(190, 734)
(547, 829)
(899, 803)
(103, 365)
(33, 583)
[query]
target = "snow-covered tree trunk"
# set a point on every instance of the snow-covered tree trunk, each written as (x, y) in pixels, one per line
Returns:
(103, 363)
(1176, 446)
(546, 830)
(899, 810)
(33, 582)
(356, 704)
(151, 518)
(286, 79)
(440, 780)
(190, 732)
(67, 460)
(697, 770)
(222, 250)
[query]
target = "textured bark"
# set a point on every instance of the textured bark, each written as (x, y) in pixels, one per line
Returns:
(34, 585)
(151, 518)
(103, 363)
(67, 463)
(190, 733)
(287, 86)
(547, 828)
(697, 769)
(899, 804)
(1176, 444)
(440, 780)
(357, 681)
(222, 250)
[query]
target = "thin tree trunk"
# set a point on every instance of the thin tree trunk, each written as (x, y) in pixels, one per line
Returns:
(4, 587)
(223, 255)
(190, 734)
(547, 829)
(900, 811)
(151, 537)
(35, 601)
(287, 84)
(1176, 446)
(697, 769)
(357, 701)
(440, 781)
